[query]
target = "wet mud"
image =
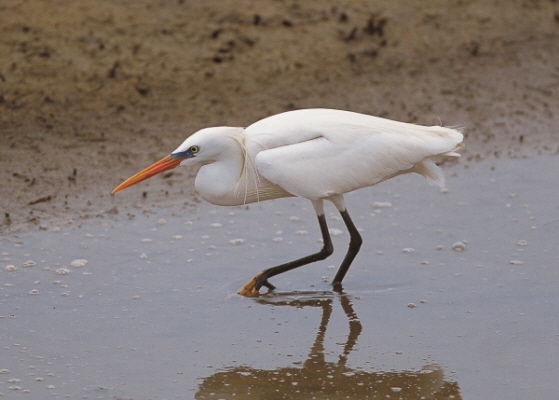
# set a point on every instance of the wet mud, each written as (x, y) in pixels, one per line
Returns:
(92, 90)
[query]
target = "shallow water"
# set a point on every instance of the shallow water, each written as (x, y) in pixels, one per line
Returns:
(154, 315)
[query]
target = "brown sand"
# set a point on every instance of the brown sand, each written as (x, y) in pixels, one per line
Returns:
(91, 91)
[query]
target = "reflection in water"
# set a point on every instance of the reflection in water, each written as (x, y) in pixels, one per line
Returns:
(319, 379)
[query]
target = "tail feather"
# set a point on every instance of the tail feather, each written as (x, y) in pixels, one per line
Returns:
(429, 169)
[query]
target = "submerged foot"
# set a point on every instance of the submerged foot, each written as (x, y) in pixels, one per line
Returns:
(252, 287)
(337, 287)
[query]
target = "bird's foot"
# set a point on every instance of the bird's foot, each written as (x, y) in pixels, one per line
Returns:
(249, 289)
(252, 287)
(337, 287)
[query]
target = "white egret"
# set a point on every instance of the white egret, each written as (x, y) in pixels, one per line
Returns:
(317, 154)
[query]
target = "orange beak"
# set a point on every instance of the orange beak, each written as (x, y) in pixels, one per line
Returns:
(162, 165)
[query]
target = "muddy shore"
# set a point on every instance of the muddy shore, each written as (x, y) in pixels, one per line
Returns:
(93, 91)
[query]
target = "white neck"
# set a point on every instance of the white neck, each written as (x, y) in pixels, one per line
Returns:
(232, 179)
(216, 182)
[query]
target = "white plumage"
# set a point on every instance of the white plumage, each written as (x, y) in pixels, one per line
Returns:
(313, 153)
(318, 154)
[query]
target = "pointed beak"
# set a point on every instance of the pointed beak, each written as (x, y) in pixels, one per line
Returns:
(162, 165)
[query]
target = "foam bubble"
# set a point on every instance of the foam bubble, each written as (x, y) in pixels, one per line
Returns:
(62, 271)
(78, 263)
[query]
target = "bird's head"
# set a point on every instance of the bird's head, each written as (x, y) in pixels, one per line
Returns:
(204, 147)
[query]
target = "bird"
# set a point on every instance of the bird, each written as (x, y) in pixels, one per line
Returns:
(318, 154)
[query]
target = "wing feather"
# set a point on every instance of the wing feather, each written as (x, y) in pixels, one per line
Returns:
(316, 153)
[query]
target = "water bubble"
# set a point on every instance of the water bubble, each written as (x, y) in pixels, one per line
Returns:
(4, 371)
(147, 240)
(293, 218)
(335, 232)
(33, 292)
(237, 241)
(516, 262)
(10, 268)
(177, 237)
(29, 263)
(459, 247)
(382, 204)
(161, 222)
(216, 225)
(302, 232)
(408, 250)
(143, 256)
(522, 243)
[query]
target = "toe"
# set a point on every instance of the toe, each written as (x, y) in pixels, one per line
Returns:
(250, 288)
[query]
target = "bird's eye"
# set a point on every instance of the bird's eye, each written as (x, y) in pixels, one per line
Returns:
(194, 149)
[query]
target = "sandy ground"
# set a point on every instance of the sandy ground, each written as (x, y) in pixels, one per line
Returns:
(93, 91)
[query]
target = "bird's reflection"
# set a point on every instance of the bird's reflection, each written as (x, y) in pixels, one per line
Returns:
(320, 379)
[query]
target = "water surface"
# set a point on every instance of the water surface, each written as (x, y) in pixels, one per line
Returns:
(154, 313)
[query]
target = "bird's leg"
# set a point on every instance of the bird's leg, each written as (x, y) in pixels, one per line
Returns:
(261, 279)
(355, 242)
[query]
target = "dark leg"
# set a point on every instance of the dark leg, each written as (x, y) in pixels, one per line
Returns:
(261, 279)
(355, 242)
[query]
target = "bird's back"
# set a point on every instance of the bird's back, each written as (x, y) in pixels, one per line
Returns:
(315, 153)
